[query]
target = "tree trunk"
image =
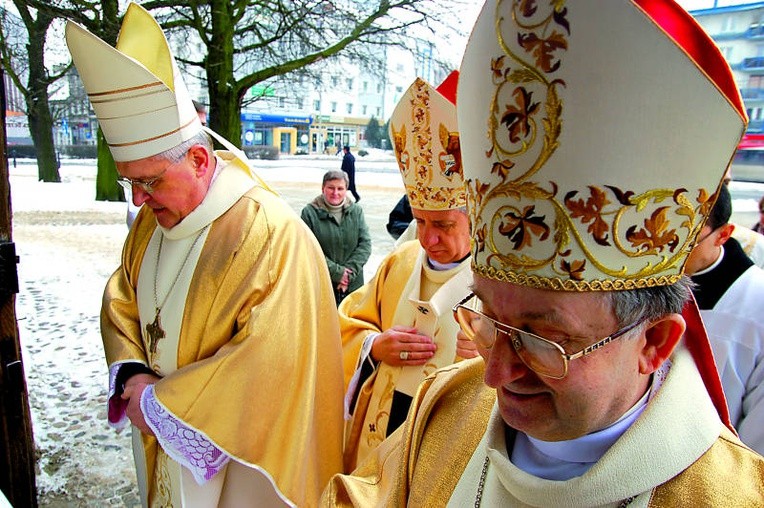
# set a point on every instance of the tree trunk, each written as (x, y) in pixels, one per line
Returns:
(38, 109)
(225, 94)
(107, 188)
(41, 128)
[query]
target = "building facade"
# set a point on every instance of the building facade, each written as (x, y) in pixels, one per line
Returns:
(738, 31)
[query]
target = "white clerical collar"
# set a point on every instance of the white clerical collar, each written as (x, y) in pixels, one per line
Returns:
(713, 265)
(562, 460)
(441, 267)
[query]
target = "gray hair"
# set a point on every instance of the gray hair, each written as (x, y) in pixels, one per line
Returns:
(178, 152)
(335, 174)
(650, 303)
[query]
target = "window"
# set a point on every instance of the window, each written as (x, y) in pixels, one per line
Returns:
(363, 110)
(379, 112)
(335, 81)
(282, 102)
(379, 87)
(334, 106)
(316, 105)
(365, 86)
(350, 108)
(350, 83)
(399, 89)
(299, 103)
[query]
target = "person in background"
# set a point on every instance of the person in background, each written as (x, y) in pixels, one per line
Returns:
(132, 209)
(400, 218)
(597, 385)
(348, 166)
(751, 241)
(201, 111)
(398, 328)
(729, 290)
(759, 226)
(218, 323)
(340, 228)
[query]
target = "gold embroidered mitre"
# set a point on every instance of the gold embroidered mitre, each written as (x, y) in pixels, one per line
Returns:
(595, 135)
(426, 143)
(136, 89)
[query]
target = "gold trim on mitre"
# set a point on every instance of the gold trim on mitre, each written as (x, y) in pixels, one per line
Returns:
(593, 143)
(136, 89)
(426, 144)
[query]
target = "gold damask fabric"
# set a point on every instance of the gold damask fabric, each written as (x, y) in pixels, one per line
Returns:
(397, 282)
(672, 458)
(259, 356)
(371, 308)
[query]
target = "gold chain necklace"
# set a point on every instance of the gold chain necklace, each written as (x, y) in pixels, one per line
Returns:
(154, 329)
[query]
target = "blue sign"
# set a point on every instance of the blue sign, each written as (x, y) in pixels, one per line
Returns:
(267, 117)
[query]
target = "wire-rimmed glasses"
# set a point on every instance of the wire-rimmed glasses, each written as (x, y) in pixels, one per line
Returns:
(541, 355)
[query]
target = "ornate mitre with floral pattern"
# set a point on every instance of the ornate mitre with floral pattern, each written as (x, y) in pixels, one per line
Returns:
(594, 137)
(426, 143)
(136, 89)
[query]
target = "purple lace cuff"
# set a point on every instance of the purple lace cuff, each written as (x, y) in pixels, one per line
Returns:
(185, 445)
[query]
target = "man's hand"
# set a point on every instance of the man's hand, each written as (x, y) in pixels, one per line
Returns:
(134, 387)
(389, 345)
(465, 348)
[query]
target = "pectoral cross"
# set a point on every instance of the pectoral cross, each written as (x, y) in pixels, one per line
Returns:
(155, 333)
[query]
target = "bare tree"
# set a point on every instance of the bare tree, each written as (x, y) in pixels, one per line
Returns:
(101, 18)
(247, 42)
(25, 55)
(252, 41)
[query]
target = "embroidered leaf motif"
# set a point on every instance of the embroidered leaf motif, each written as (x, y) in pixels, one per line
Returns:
(543, 49)
(521, 229)
(480, 190)
(575, 269)
(528, 7)
(623, 198)
(502, 168)
(480, 235)
(560, 13)
(655, 234)
(517, 116)
(497, 66)
(590, 212)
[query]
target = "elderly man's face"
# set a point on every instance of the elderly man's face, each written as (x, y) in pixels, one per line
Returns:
(179, 187)
(444, 234)
(598, 389)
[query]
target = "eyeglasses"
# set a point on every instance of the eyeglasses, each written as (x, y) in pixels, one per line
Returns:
(542, 356)
(145, 185)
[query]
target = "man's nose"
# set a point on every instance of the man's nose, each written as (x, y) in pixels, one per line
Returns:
(428, 237)
(502, 364)
(140, 196)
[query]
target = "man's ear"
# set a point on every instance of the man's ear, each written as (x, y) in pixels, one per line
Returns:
(661, 337)
(201, 159)
(725, 232)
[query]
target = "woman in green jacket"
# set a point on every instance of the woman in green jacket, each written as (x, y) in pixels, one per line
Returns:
(340, 228)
